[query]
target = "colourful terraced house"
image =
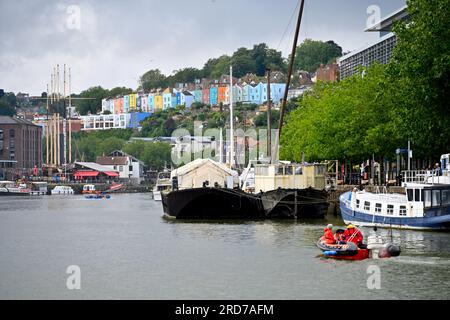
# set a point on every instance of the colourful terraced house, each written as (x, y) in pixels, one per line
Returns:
(188, 98)
(277, 92)
(221, 94)
(197, 95)
(151, 102)
(144, 103)
(126, 103)
(213, 95)
(158, 101)
(205, 96)
(132, 102)
(169, 99)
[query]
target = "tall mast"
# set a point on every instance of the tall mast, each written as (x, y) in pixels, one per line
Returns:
(269, 119)
(288, 82)
(231, 120)
(46, 131)
(64, 118)
(57, 82)
(70, 123)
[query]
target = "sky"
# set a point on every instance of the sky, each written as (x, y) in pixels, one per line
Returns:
(112, 43)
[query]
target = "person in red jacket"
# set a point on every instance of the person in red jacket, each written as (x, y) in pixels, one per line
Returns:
(354, 235)
(328, 234)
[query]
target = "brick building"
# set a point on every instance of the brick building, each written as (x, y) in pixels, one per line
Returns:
(20, 147)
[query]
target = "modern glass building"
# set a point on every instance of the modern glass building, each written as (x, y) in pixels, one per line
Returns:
(380, 51)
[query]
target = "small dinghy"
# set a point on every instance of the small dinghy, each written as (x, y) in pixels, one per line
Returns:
(348, 251)
(98, 196)
(375, 249)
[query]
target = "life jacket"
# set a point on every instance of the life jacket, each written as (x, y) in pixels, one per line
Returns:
(358, 238)
(328, 236)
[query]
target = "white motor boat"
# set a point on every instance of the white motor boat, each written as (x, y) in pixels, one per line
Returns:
(62, 190)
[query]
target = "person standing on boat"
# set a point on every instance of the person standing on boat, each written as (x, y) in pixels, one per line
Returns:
(328, 234)
(354, 235)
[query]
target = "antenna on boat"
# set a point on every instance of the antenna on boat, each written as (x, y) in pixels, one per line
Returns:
(288, 82)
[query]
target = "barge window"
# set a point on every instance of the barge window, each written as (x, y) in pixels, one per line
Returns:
(403, 210)
(445, 197)
(427, 198)
(378, 207)
(436, 198)
(390, 209)
(416, 195)
(410, 194)
(357, 203)
(367, 205)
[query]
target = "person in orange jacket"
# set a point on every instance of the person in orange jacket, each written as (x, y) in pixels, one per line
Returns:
(354, 235)
(328, 234)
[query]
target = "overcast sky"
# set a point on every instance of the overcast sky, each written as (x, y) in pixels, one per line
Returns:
(111, 43)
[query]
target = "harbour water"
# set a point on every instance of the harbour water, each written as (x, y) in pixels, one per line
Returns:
(126, 250)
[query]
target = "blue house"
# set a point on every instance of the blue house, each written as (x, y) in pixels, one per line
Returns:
(277, 92)
(213, 92)
(126, 103)
(188, 98)
(169, 99)
(151, 102)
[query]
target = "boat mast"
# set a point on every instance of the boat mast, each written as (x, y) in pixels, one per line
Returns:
(231, 120)
(269, 119)
(288, 82)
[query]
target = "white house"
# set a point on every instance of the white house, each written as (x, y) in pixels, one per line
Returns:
(129, 167)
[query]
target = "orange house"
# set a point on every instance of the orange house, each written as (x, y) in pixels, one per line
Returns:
(118, 105)
(221, 94)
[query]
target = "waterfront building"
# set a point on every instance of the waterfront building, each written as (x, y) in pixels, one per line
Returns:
(20, 147)
(94, 172)
(379, 51)
(138, 102)
(129, 168)
(118, 105)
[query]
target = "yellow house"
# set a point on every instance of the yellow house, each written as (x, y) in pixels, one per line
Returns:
(133, 101)
(158, 102)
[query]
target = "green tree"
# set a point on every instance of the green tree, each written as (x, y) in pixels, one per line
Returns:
(352, 119)
(6, 109)
(311, 53)
(153, 79)
(119, 91)
(420, 70)
(154, 154)
(91, 101)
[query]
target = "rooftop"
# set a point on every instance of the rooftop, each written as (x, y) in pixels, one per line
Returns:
(14, 120)
(385, 24)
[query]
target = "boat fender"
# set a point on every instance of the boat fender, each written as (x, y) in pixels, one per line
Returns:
(330, 253)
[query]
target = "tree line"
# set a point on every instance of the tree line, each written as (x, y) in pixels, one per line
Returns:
(382, 107)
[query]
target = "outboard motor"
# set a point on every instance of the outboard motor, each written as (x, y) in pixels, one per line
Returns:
(389, 250)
